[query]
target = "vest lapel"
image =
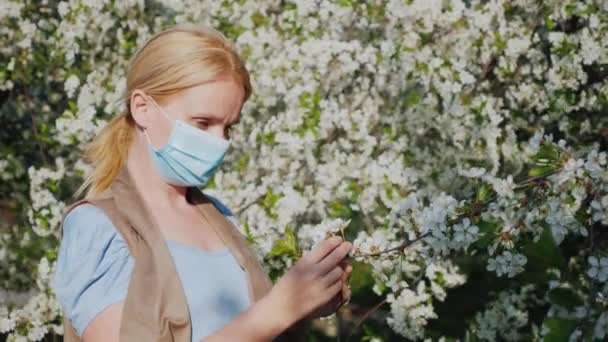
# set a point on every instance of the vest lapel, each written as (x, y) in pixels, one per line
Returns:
(156, 304)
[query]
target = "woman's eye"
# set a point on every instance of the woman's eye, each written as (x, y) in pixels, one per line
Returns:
(202, 124)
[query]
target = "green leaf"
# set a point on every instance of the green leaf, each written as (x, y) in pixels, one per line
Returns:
(345, 3)
(411, 99)
(487, 230)
(259, 19)
(211, 182)
(483, 193)
(242, 163)
(370, 333)
(267, 138)
(566, 297)
(51, 254)
(73, 106)
(389, 189)
(310, 103)
(361, 277)
(582, 215)
(339, 209)
(550, 23)
(286, 246)
(250, 238)
(543, 253)
(547, 153)
(499, 42)
(355, 189)
(269, 202)
(539, 171)
(559, 329)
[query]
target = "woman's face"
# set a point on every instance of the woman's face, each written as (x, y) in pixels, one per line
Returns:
(213, 107)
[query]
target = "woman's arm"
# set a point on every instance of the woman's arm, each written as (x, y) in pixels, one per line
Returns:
(313, 281)
(261, 322)
(106, 325)
(311, 287)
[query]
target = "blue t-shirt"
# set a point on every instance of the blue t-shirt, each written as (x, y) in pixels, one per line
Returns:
(94, 268)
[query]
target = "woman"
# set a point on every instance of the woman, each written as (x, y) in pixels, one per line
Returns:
(150, 257)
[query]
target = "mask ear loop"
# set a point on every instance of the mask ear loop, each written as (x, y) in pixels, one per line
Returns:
(150, 98)
(149, 141)
(159, 107)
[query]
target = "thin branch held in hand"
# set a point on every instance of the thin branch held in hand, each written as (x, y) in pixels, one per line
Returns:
(400, 247)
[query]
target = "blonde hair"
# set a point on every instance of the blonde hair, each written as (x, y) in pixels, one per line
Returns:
(174, 59)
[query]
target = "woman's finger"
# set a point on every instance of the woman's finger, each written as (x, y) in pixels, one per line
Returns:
(324, 248)
(335, 257)
(345, 282)
(345, 263)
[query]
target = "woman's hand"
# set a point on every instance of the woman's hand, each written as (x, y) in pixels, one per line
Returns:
(339, 299)
(315, 286)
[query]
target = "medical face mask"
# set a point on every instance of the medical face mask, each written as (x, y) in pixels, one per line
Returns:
(190, 157)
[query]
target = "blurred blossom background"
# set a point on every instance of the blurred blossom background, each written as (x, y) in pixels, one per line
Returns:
(460, 145)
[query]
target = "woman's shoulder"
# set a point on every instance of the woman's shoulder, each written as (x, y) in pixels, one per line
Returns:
(86, 227)
(86, 212)
(89, 239)
(93, 265)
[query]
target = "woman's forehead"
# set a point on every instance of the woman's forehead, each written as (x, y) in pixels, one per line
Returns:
(220, 99)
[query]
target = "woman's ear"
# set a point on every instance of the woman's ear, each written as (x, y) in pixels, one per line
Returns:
(139, 108)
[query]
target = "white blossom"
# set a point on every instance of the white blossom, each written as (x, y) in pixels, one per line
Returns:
(71, 84)
(598, 268)
(507, 263)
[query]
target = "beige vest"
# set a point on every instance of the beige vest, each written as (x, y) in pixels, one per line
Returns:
(155, 308)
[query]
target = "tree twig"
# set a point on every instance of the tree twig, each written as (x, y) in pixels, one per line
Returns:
(402, 246)
(246, 206)
(369, 312)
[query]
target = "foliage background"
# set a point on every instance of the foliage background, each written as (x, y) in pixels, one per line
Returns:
(476, 127)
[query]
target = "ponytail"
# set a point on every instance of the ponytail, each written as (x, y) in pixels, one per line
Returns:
(107, 152)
